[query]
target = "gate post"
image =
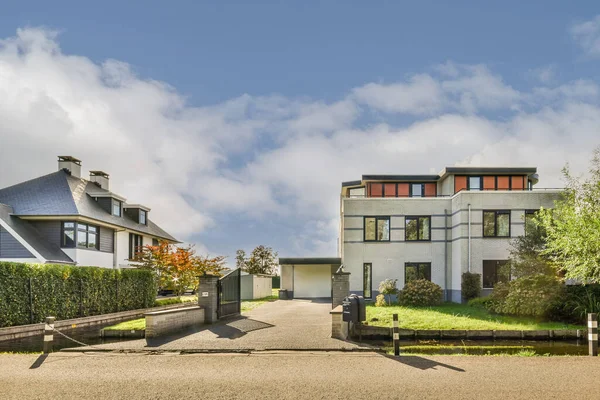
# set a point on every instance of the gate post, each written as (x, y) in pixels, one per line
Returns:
(340, 288)
(208, 297)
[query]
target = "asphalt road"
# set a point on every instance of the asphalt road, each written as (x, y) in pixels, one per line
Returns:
(299, 375)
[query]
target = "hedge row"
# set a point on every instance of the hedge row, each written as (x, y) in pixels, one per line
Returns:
(31, 292)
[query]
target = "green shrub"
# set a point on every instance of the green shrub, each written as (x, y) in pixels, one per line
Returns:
(380, 301)
(471, 286)
(479, 302)
(575, 303)
(534, 295)
(388, 287)
(420, 292)
(66, 291)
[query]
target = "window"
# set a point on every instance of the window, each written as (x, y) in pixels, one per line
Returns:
(475, 183)
(416, 190)
(377, 229)
(530, 225)
(155, 242)
(414, 271)
(136, 242)
(494, 271)
(143, 217)
(496, 223)
(80, 235)
(367, 280)
(116, 208)
(68, 237)
(417, 229)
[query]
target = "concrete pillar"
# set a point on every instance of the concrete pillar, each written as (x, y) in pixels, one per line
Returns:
(340, 286)
(207, 297)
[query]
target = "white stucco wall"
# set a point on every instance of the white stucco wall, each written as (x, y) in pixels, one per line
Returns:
(388, 258)
(90, 258)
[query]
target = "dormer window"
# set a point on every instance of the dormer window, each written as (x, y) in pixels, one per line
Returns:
(143, 216)
(116, 208)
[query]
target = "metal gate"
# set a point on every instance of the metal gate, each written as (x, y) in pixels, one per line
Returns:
(228, 294)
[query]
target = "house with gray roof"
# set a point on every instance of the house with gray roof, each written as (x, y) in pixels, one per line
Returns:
(66, 219)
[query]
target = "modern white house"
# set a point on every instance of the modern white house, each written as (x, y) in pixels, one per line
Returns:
(66, 219)
(433, 227)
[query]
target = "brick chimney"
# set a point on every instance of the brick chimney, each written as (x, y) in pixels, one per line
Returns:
(70, 164)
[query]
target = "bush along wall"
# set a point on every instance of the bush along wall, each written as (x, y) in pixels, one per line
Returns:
(31, 292)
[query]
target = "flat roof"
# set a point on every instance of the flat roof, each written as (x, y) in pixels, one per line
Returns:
(309, 260)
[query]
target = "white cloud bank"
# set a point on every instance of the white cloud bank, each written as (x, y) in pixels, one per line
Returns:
(274, 156)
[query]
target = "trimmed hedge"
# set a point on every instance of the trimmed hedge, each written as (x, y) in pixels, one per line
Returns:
(420, 292)
(65, 291)
(471, 286)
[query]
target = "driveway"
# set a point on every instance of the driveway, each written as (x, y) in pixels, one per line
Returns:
(278, 325)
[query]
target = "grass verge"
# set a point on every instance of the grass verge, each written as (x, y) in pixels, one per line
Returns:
(456, 316)
(248, 305)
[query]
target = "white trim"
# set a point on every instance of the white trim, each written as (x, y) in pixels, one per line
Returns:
(109, 194)
(593, 337)
(23, 242)
(592, 324)
(137, 206)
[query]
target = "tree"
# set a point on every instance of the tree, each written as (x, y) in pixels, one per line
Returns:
(388, 288)
(263, 260)
(573, 226)
(240, 259)
(178, 268)
(528, 255)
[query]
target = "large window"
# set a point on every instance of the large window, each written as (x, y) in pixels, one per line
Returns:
(496, 223)
(116, 208)
(80, 235)
(368, 280)
(377, 229)
(414, 271)
(530, 225)
(475, 183)
(494, 271)
(417, 190)
(136, 242)
(417, 229)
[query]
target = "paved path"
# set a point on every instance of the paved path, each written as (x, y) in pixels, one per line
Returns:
(278, 325)
(299, 375)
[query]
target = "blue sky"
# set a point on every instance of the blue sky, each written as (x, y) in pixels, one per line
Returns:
(247, 117)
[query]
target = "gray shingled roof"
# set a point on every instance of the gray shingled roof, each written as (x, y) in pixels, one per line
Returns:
(60, 194)
(49, 251)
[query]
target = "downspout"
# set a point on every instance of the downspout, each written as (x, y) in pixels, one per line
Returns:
(446, 254)
(469, 253)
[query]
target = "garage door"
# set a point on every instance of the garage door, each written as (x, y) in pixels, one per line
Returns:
(312, 281)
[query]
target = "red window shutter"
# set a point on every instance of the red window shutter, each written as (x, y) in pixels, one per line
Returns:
(403, 190)
(518, 183)
(460, 183)
(503, 183)
(430, 189)
(489, 182)
(376, 190)
(389, 189)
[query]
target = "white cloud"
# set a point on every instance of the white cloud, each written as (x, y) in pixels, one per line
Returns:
(272, 156)
(422, 95)
(587, 35)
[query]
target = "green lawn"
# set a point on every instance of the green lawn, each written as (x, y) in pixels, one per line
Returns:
(455, 316)
(132, 325)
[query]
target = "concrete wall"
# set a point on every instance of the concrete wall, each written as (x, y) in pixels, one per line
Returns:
(160, 323)
(389, 258)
